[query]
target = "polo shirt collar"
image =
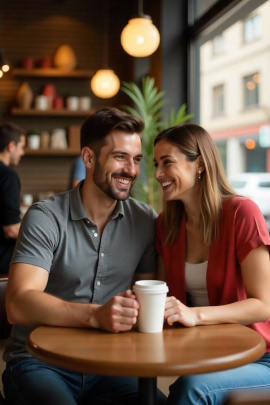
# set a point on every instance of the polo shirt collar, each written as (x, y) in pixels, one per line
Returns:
(76, 208)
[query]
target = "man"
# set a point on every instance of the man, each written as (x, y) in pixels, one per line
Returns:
(12, 142)
(75, 258)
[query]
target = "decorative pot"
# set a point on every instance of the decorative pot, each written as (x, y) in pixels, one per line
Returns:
(45, 139)
(85, 103)
(59, 139)
(28, 63)
(65, 57)
(50, 92)
(41, 103)
(45, 63)
(33, 141)
(25, 96)
(73, 103)
(58, 103)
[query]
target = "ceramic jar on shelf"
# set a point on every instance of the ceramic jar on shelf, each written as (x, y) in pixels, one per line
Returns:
(25, 96)
(50, 92)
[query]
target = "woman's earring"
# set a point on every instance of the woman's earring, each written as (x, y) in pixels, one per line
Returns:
(199, 175)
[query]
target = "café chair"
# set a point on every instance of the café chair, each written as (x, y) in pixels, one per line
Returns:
(5, 327)
(258, 397)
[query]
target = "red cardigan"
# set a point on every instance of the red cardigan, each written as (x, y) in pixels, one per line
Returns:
(242, 228)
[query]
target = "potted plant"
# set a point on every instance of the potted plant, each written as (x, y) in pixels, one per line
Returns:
(148, 103)
(33, 138)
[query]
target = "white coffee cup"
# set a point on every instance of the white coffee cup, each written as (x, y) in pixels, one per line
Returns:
(151, 295)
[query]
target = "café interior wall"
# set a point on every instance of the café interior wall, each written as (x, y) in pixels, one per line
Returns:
(36, 29)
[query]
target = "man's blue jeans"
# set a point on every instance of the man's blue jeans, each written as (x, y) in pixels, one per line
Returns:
(213, 388)
(30, 381)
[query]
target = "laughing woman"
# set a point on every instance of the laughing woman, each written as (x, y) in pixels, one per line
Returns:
(213, 250)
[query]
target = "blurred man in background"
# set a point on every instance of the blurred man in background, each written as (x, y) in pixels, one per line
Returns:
(12, 143)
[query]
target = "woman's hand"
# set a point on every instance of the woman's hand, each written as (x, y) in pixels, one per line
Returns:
(175, 311)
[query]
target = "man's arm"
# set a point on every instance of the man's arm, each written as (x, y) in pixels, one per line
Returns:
(28, 304)
(11, 231)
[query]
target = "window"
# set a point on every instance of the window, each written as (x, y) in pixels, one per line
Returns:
(218, 45)
(235, 113)
(218, 100)
(264, 184)
(251, 90)
(252, 28)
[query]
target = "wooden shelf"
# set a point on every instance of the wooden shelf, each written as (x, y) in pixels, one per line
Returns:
(52, 152)
(54, 73)
(50, 113)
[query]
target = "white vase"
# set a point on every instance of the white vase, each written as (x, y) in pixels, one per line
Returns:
(73, 103)
(33, 141)
(85, 103)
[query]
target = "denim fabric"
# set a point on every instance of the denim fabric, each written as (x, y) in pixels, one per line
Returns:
(29, 381)
(213, 388)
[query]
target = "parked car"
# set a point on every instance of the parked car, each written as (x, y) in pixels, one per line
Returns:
(256, 186)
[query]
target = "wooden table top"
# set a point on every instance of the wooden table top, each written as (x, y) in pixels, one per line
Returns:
(175, 351)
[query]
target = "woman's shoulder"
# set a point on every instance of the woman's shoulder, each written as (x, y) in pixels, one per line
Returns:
(237, 202)
(241, 207)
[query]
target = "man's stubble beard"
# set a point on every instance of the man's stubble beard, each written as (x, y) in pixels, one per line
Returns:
(107, 187)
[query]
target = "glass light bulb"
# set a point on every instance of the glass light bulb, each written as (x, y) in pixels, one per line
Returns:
(5, 68)
(105, 83)
(140, 37)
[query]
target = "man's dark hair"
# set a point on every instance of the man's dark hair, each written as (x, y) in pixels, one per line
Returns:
(96, 127)
(10, 132)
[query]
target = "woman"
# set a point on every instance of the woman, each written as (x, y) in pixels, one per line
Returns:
(213, 250)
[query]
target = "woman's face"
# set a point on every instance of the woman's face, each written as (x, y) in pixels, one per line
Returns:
(177, 176)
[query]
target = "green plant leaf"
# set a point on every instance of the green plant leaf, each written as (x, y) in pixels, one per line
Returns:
(148, 103)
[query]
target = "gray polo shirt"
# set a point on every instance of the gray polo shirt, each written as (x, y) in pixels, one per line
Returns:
(84, 267)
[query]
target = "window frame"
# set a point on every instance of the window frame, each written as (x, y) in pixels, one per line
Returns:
(218, 106)
(248, 96)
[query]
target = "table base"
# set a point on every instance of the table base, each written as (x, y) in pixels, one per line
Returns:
(147, 391)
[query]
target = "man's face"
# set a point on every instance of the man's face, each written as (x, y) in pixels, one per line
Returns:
(17, 151)
(117, 166)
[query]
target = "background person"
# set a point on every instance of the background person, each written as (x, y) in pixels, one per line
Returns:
(214, 254)
(12, 143)
(77, 172)
(76, 255)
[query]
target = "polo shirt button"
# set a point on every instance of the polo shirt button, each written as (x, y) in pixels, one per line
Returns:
(98, 282)
(102, 255)
(95, 235)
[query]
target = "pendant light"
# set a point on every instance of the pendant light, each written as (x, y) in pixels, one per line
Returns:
(140, 37)
(105, 83)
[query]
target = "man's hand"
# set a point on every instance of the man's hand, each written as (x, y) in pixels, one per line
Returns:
(117, 315)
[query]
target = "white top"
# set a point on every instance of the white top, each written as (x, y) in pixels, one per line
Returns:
(196, 288)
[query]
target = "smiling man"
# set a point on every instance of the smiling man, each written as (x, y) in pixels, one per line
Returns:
(75, 258)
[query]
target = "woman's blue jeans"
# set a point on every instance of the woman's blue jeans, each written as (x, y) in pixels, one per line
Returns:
(214, 388)
(30, 381)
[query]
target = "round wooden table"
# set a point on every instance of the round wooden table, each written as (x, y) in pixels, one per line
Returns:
(175, 351)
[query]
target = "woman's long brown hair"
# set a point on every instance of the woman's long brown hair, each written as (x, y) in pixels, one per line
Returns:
(194, 141)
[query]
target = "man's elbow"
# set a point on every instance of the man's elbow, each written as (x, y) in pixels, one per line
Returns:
(13, 313)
